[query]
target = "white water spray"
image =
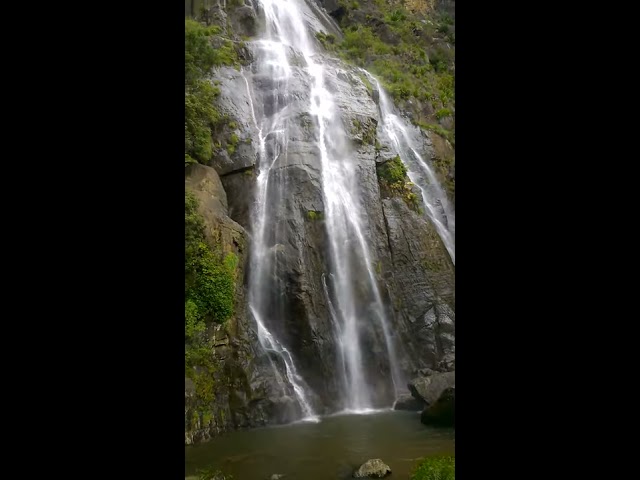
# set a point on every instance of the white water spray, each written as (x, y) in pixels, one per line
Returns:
(350, 262)
(420, 172)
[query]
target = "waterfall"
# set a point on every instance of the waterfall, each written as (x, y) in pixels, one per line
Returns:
(270, 344)
(274, 63)
(287, 53)
(439, 210)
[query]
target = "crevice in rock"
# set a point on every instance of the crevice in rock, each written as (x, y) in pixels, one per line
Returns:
(413, 257)
(386, 231)
(238, 170)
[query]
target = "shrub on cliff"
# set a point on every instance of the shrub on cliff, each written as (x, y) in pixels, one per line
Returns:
(201, 117)
(209, 276)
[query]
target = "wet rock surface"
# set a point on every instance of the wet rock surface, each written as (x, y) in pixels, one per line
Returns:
(429, 389)
(409, 402)
(247, 395)
(234, 101)
(413, 272)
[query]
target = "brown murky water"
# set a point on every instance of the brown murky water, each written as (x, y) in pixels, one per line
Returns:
(328, 450)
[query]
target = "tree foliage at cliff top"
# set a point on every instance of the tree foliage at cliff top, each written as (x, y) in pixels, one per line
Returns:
(410, 46)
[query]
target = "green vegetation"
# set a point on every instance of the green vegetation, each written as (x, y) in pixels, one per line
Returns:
(393, 171)
(406, 47)
(232, 142)
(435, 468)
(393, 181)
(443, 112)
(314, 215)
(378, 267)
(213, 474)
(209, 276)
(327, 40)
(434, 127)
(365, 131)
(367, 83)
(209, 297)
(200, 54)
(442, 166)
(201, 116)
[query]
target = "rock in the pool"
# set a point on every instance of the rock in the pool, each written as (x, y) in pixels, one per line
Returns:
(374, 468)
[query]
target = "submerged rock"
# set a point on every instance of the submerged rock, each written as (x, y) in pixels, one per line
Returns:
(442, 412)
(374, 468)
(408, 402)
(430, 388)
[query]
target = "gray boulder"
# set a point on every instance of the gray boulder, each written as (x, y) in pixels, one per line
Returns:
(374, 468)
(408, 402)
(430, 388)
(442, 412)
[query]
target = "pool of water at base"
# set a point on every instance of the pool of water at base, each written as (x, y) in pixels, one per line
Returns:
(329, 450)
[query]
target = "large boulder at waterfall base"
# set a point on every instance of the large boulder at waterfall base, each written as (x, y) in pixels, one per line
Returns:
(408, 402)
(442, 412)
(374, 468)
(430, 388)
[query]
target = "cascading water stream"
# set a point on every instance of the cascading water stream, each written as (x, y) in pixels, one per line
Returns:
(341, 207)
(270, 344)
(419, 171)
(349, 259)
(276, 65)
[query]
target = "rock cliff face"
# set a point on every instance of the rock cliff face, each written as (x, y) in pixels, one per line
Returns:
(414, 273)
(233, 347)
(246, 394)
